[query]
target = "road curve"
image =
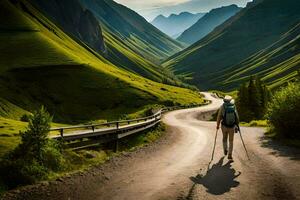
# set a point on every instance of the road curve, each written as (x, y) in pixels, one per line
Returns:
(180, 170)
(176, 167)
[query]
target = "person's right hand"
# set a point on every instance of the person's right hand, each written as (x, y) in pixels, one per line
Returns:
(218, 127)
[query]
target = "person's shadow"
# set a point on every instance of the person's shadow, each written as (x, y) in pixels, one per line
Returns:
(219, 179)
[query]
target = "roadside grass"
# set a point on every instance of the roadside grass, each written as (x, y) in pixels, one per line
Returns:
(10, 128)
(256, 123)
(133, 142)
(81, 160)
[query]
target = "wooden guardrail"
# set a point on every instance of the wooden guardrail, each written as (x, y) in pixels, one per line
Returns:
(83, 136)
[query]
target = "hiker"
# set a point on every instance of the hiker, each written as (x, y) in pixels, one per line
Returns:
(228, 117)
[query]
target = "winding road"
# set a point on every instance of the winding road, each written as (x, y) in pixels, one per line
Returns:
(176, 167)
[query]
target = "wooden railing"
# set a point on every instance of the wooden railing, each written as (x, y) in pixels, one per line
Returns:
(83, 136)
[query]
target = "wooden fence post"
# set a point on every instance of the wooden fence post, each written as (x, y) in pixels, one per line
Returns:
(116, 147)
(62, 133)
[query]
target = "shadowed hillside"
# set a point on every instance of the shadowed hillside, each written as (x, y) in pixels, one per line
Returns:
(74, 19)
(261, 39)
(41, 65)
(131, 42)
(207, 23)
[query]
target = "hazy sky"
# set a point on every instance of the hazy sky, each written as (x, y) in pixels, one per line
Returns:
(151, 8)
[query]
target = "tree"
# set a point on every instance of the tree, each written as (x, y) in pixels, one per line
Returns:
(35, 156)
(35, 138)
(243, 103)
(252, 99)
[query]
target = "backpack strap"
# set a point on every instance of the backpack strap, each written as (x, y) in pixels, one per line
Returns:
(224, 114)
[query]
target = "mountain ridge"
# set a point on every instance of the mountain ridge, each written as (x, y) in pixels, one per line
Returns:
(256, 27)
(127, 46)
(207, 23)
(175, 24)
(76, 84)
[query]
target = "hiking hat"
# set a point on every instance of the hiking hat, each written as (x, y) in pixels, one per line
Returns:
(227, 98)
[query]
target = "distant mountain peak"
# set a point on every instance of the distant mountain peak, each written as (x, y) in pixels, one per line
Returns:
(175, 24)
(158, 18)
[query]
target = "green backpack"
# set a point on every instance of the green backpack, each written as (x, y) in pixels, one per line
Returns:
(229, 117)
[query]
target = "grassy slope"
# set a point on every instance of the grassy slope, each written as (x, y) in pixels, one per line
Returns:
(54, 70)
(126, 45)
(41, 65)
(276, 64)
(254, 29)
(136, 33)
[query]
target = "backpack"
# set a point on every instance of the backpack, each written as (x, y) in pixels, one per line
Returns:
(229, 117)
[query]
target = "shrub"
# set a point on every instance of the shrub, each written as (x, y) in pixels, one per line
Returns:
(284, 111)
(36, 155)
(20, 172)
(169, 103)
(25, 118)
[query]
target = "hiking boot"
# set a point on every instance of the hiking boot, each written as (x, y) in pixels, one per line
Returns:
(230, 157)
(225, 152)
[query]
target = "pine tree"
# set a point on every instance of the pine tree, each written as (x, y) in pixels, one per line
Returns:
(261, 98)
(243, 103)
(254, 98)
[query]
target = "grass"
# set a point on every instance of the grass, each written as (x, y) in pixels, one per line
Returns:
(74, 84)
(9, 134)
(41, 65)
(78, 161)
(221, 61)
(255, 123)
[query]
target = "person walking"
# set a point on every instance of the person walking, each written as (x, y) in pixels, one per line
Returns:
(229, 118)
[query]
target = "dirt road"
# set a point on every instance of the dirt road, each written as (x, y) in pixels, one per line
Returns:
(176, 167)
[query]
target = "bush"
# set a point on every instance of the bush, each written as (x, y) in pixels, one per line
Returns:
(284, 111)
(25, 118)
(21, 172)
(36, 155)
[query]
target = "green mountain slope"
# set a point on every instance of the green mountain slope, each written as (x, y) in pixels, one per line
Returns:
(174, 25)
(41, 65)
(275, 64)
(131, 42)
(75, 20)
(207, 23)
(239, 40)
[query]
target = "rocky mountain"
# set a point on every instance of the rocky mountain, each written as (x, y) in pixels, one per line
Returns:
(74, 19)
(130, 42)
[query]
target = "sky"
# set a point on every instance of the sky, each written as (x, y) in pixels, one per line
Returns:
(151, 8)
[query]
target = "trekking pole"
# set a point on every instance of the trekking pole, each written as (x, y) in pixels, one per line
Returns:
(212, 156)
(243, 141)
(213, 152)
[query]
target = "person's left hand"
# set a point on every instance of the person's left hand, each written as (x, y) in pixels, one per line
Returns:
(236, 129)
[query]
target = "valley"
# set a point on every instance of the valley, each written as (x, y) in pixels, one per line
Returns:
(99, 70)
